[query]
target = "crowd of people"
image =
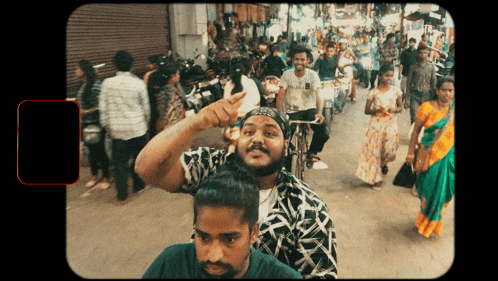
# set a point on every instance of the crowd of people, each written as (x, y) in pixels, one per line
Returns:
(252, 217)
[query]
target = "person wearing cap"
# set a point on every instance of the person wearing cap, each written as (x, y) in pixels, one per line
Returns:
(346, 58)
(295, 224)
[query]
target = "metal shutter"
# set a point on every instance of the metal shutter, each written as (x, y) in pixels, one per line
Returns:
(95, 32)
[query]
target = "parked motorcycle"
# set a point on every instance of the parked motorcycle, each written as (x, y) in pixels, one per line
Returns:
(190, 73)
(211, 91)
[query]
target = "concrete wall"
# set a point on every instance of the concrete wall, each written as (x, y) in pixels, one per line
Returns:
(188, 25)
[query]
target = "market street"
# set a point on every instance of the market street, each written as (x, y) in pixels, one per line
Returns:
(376, 233)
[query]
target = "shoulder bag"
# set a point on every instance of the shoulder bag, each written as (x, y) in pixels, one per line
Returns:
(422, 155)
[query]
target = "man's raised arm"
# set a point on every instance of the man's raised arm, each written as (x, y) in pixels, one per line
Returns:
(158, 164)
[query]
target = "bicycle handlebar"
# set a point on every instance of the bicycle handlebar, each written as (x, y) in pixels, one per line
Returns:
(303, 122)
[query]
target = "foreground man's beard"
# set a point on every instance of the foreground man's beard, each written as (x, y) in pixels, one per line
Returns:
(227, 275)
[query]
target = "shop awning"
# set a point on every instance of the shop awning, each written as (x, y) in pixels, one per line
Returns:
(429, 18)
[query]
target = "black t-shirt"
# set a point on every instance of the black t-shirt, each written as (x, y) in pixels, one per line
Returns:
(179, 261)
(407, 59)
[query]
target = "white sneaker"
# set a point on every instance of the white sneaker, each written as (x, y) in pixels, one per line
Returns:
(104, 185)
(415, 191)
(91, 183)
(320, 165)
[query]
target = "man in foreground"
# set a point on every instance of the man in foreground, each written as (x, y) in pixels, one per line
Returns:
(225, 224)
(295, 224)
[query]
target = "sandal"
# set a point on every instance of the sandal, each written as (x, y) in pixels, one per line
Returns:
(312, 159)
(105, 184)
(377, 186)
(91, 183)
(385, 170)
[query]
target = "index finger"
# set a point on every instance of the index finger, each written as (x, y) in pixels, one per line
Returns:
(233, 99)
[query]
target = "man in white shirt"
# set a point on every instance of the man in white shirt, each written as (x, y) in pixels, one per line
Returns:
(125, 115)
(299, 97)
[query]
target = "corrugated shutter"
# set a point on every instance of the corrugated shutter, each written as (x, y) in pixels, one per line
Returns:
(95, 32)
(241, 10)
(262, 13)
(252, 10)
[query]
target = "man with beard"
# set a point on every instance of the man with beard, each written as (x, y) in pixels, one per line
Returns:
(294, 223)
(225, 224)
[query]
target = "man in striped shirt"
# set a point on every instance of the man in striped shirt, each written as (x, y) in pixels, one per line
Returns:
(125, 115)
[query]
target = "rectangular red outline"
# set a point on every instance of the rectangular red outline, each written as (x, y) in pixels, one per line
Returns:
(79, 141)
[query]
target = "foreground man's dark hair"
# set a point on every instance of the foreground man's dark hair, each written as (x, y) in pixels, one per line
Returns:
(231, 186)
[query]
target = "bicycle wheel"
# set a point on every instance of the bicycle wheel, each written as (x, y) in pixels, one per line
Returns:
(295, 166)
(303, 150)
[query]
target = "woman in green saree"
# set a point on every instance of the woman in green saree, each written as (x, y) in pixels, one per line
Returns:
(436, 186)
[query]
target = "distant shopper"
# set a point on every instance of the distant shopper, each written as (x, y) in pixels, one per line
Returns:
(376, 63)
(408, 58)
(274, 65)
(382, 135)
(389, 52)
(421, 82)
(125, 115)
(170, 97)
(87, 97)
(152, 65)
(240, 82)
(436, 186)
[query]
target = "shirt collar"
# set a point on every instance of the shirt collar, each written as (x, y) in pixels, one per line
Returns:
(125, 73)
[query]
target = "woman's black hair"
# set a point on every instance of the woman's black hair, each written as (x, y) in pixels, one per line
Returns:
(309, 55)
(444, 80)
(156, 81)
(389, 36)
(231, 186)
(385, 68)
(154, 58)
(167, 68)
(237, 78)
(91, 76)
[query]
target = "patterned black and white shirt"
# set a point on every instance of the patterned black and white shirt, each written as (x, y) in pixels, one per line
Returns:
(298, 229)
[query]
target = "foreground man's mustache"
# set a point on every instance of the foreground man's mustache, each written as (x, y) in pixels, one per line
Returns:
(259, 147)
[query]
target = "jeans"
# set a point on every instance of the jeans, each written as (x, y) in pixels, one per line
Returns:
(416, 99)
(373, 77)
(122, 150)
(340, 100)
(98, 157)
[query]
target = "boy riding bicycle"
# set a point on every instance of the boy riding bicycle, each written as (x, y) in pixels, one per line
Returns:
(299, 97)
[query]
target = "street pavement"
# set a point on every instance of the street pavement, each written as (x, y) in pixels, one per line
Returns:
(376, 233)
